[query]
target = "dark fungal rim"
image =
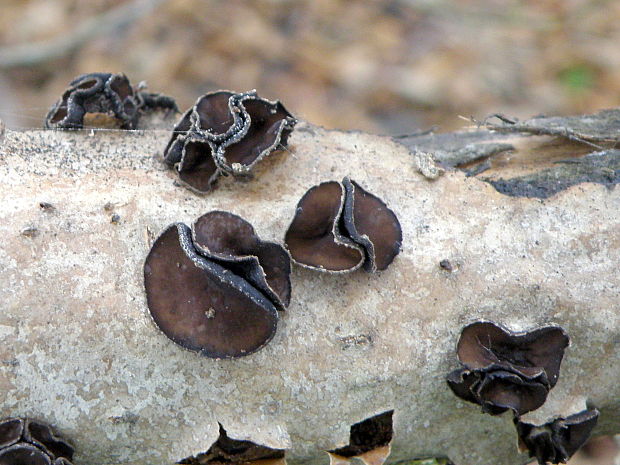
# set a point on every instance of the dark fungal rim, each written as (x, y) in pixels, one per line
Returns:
(238, 125)
(285, 124)
(345, 231)
(75, 95)
(362, 239)
(36, 436)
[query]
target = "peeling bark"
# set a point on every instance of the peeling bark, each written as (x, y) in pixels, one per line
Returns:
(570, 151)
(79, 350)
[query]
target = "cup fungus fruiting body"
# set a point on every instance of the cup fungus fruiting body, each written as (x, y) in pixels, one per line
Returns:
(208, 291)
(226, 133)
(503, 370)
(370, 223)
(497, 391)
(28, 442)
(232, 242)
(103, 100)
(314, 238)
(557, 440)
(339, 227)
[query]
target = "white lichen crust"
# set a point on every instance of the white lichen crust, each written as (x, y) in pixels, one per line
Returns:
(78, 348)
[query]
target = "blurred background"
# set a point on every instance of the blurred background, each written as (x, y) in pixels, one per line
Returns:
(389, 67)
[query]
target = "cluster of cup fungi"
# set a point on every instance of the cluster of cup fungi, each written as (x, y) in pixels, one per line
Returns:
(104, 100)
(28, 442)
(217, 289)
(507, 371)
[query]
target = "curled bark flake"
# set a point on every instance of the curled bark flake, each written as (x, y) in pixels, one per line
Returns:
(369, 441)
(228, 451)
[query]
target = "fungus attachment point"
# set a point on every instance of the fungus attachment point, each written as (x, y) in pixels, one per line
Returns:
(557, 440)
(369, 441)
(228, 451)
(216, 290)
(506, 370)
(103, 100)
(339, 227)
(28, 442)
(226, 133)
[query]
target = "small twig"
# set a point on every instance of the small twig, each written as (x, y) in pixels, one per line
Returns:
(539, 131)
(478, 169)
(45, 50)
(422, 132)
(503, 118)
(513, 125)
(472, 120)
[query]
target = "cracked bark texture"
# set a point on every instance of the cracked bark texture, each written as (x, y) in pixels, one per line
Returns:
(79, 350)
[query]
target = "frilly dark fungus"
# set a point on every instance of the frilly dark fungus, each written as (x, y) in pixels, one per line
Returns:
(150, 101)
(339, 227)
(226, 133)
(233, 451)
(533, 354)
(216, 290)
(557, 440)
(371, 224)
(507, 371)
(268, 124)
(103, 100)
(497, 391)
(232, 242)
(314, 238)
(29, 442)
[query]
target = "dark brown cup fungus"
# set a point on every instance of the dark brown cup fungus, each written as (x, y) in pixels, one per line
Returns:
(29, 442)
(505, 370)
(217, 289)
(557, 440)
(338, 227)
(228, 451)
(232, 242)
(103, 100)
(226, 133)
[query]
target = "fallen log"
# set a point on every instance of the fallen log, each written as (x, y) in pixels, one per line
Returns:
(519, 227)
